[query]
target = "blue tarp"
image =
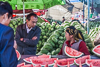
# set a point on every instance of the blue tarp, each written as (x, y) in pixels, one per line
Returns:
(74, 1)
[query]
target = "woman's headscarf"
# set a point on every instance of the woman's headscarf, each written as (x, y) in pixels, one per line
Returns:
(77, 34)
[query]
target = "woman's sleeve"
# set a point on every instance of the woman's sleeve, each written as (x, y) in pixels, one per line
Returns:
(60, 53)
(83, 48)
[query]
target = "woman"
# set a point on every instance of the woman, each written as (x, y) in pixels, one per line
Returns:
(75, 40)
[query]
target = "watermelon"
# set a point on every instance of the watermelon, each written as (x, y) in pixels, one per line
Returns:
(28, 65)
(37, 66)
(70, 52)
(36, 57)
(80, 65)
(20, 65)
(18, 55)
(43, 61)
(44, 56)
(68, 64)
(55, 65)
(46, 65)
(28, 59)
(94, 62)
(82, 59)
(91, 65)
(64, 62)
(96, 50)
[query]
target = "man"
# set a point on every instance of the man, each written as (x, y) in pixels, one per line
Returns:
(28, 35)
(8, 57)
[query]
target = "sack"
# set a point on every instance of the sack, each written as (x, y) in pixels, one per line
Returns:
(97, 39)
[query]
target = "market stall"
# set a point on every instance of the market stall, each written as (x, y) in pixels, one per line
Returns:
(51, 39)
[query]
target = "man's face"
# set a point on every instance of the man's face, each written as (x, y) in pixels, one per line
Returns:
(32, 22)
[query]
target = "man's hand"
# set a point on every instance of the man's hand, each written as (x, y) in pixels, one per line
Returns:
(34, 38)
(21, 39)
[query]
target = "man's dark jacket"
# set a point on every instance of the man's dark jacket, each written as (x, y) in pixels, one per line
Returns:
(27, 46)
(8, 57)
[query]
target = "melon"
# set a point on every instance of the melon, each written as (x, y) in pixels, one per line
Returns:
(35, 57)
(64, 62)
(94, 62)
(28, 65)
(44, 56)
(37, 66)
(18, 54)
(96, 50)
(43, 61)
(68, 64)
(28, 59)
(82, 59)
(46, 65)
(70, 52)
(55, 65)
(20, 65)
(91, 65)
(80, 65)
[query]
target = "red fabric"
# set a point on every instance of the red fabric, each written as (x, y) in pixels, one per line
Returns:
(45, 20)
(14, 15)
(82, 48)
(60, 53)
(21, 11)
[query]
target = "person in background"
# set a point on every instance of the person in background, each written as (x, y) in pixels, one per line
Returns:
(63, 19)
(75, 40)
(28, 35)
(8, 57)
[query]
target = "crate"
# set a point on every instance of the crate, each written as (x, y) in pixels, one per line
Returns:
(12, 3)
(30, 4)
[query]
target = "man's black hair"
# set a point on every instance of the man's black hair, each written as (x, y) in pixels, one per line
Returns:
(31, 14)
(5, 7)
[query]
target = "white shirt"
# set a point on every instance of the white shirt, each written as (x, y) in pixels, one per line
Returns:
(28, 30)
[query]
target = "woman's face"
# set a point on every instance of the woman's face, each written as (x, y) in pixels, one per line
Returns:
(68, 37)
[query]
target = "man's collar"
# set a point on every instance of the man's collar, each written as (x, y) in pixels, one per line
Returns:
(27, 27)
(24, 27)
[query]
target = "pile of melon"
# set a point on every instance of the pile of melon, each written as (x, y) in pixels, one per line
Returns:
(75, 59)
(51, 45)
(46, 61)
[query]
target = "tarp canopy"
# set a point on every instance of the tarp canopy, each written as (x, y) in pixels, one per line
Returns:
(57, 12)
(34, 4)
